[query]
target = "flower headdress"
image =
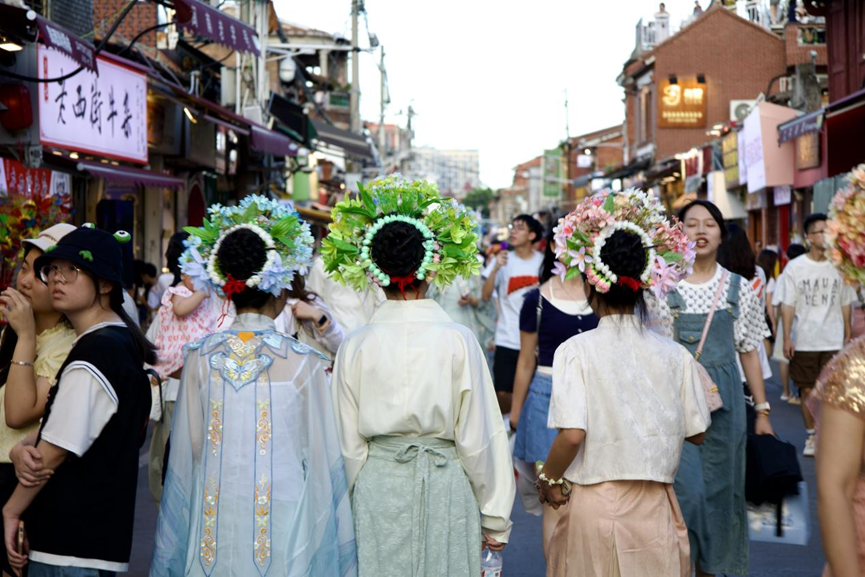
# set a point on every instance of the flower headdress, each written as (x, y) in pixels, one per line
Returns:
(287, 239)
(450, 242)
(580, 236)
(845, 231)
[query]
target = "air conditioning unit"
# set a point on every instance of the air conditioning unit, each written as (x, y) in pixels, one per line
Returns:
(739, 109)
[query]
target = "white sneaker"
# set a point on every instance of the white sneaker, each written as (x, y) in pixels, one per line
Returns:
(785, 397)
(795, 401)
(809, 447)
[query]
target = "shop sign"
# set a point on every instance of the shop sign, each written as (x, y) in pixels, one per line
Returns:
(730, 151)
(808, 151)
(782, 195)
(682, 105)
(584, 161)
(743, 169)
(18, 180)
(755, 201)
(104, 115)
(754, 164)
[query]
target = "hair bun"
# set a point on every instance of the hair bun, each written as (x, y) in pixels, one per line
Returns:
(397, 249)
(624, 254)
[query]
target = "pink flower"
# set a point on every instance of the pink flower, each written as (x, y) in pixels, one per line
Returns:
(579, 258)
(665, 278)
(560, 269)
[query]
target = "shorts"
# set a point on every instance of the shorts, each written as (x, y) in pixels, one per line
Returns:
(806, 366)
(505, 369)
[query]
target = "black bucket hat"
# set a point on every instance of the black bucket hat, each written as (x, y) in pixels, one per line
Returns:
(90, 249)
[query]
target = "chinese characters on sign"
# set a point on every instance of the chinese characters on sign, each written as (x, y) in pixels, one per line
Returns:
(105, 114)
(682, 105)
(730, 149)
(18, 180)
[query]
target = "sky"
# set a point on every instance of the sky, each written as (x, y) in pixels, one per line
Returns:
(491, 75)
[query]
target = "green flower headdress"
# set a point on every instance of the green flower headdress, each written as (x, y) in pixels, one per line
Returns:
(450, 241)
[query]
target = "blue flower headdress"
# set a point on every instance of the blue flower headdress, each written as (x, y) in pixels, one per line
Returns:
(287, 238)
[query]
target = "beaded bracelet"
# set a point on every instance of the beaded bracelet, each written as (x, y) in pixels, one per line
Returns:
(23, 363)
(551, 482)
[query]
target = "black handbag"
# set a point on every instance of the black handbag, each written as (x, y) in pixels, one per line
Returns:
(772, 472)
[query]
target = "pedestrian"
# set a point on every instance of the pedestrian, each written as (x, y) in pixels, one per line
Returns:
(767, 260)
(837, 403)
(697, 8)
(818, 302)
(551, 314)
(34, 345)
(462, 302)
(710, 484)
(511, 277)
(624, 399)
(94, 423)
(795, 250)
(255, 483)
(425, 447)
(307, 318)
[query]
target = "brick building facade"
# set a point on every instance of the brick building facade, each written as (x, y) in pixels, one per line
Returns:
(143, 16)
(601, 150)
(728, 57)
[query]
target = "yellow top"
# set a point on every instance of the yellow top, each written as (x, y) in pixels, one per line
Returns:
(52, 348)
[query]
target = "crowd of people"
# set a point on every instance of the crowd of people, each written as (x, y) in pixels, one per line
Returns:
(359, 405)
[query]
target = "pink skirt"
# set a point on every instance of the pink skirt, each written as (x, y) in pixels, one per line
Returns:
(621, 528)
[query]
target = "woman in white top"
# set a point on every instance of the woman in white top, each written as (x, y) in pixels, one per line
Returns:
(624, 400)
(426, 452)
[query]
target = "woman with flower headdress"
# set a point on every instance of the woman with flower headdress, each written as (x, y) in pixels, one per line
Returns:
(710, 484)
(255, 483)
(838, 402)
(425, 447)
(624, 399)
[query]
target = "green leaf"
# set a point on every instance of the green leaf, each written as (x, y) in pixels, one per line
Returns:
(610, 204)
(671, 256)
(344, 246)
(368, 203)
(572, 272)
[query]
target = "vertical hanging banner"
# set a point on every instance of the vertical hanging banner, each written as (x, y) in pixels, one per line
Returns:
(552, 172)
(104, 115)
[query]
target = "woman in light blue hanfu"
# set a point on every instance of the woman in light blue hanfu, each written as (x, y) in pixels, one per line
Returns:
(255, 483)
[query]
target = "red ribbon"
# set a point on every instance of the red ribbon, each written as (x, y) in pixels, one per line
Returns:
(630, 283)
(231, 287)
(402, 281)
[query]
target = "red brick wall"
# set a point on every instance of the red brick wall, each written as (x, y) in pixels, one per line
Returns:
(801, 53)
(736, 57)
(105, 12)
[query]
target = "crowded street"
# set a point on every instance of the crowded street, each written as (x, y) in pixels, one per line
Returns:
(368, 288)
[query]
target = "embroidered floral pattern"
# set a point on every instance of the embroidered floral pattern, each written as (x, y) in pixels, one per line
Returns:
(262, 521)
(263, 429)
(214, 428)
(208, 540)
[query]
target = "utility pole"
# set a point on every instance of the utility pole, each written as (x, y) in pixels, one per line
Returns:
(568, 187)
(382, 134)
(354, 96)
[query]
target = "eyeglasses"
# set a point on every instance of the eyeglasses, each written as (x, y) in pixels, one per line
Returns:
(68, 272)
(518, 227)
(816, 232)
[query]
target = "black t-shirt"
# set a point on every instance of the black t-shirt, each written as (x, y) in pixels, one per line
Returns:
(556, 325)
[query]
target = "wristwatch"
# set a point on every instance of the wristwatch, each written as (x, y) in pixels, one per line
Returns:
(762, 407)
(322, 321)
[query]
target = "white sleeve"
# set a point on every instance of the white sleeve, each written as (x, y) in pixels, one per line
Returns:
(488, 270)
(84, 404)
(848, 294)
(788, 292)
(569, 403)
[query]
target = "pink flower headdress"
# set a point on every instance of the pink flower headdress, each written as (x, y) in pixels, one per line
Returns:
(580, 236)
(845, 231)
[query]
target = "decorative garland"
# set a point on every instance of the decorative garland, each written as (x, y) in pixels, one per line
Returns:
(287, 239)
(581, 235)
(450, 245)
(845, 231)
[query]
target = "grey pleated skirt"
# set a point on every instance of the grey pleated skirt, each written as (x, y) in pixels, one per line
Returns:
(415, 512)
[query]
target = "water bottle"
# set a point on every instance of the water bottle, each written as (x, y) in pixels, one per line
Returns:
(491, 563)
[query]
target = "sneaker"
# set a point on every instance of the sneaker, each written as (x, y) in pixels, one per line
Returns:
(785, 397)
(809, 446)
(795, 401)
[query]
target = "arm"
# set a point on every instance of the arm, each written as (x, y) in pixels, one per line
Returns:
(354, 446)
(562, 453)
(525, 369)
(838, 465)
(770, 312)
(490, 282)
(754, 375)
(847, 311)
(184, 306)
(53, 456)
(481, 440)
(787, 313)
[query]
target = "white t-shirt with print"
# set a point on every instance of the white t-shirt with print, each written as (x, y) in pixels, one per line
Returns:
(513, 281)
(817, 292)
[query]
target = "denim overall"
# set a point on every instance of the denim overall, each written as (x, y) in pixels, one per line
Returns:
(710, 484)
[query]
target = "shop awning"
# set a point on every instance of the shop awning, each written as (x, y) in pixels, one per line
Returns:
(229, 125)
(811, 122)
(210, 23)
(270, 142)
(630, 169)
(292, 119)
(128, 175)
(23, 23)
(353, 144)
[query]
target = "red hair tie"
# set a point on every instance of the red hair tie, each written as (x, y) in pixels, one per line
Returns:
(402, 281)
(231, 287)
(630, 283)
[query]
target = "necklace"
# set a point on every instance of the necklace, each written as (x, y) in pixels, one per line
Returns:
(568, 292)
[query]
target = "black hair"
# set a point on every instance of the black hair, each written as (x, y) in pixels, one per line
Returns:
(145, 348)
(397, 249)
(546, 272)
(813, 219)
(713, 210)
(532, 224)
(795, 250)
(766, 260)
(172, 254)
(241, 255)
(298, 290)
(735, 253)
(625, 255)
